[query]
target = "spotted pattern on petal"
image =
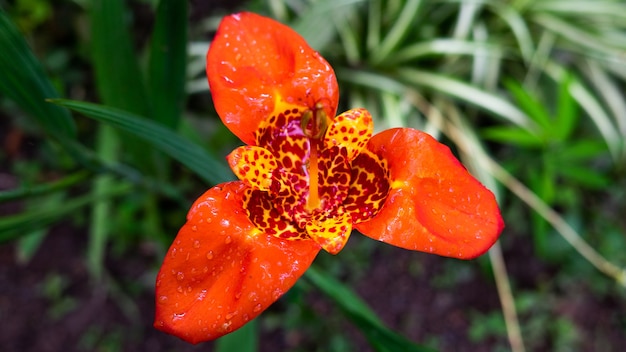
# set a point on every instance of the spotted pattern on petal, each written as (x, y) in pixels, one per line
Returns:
(266, 216)
(253, 165)
(289, 202)
(369, 186)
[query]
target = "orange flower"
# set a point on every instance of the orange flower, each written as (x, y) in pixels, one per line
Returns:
(307, 178)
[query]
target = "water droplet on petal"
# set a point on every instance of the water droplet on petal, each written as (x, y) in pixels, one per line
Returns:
(180, 276)
(276, 294)
(163, 299)
(209, 255)
(228, 240)
(257, 308)
(196, 244)
(194, 228)
(180, 289)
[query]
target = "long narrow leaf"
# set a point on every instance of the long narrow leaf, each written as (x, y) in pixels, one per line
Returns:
(588, 101)
(22, 79)
(43, 188)
(14, 226)
(398, 31)
(320, 33)
(168, 62)
(379, 336)
(118, 77)
(467, 92)
(191, 155)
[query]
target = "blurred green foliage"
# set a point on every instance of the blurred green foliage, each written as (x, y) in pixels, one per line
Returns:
(533, 85)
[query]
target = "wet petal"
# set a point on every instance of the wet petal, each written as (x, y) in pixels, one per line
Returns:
(434, 204)
(253, 61)
(221, 271)
(253, 165)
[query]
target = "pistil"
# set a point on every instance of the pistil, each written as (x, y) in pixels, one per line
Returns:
(313, 201)
(314, 124)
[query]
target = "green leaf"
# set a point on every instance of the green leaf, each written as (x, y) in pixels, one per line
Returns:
(43, 188)
(100, 226)
(378, 335)
(168, 62)
(400, 29)
(583, 149)
(245, 339)
(28, 244)
(584, 176)
(24, 81)
(118, 77)
(14, 226)
(465, 91)
(319, 34)
(513, 136)
(191, 155)
(567, 111)
(588, 101)
(530, 104)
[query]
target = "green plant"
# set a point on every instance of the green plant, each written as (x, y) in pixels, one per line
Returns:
(528, 93)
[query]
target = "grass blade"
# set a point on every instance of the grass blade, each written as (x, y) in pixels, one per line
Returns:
(168, 62)
(398, 31)
(378, 335)
(118, 77)
(588, 101)
(44, 188)
(467, 92)
(24, 81)
(14, 226)
(191, 155)
(319, 33)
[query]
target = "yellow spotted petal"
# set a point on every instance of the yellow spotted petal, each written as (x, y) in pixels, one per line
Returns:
(331, 233)
(351, 130)
(253, 165)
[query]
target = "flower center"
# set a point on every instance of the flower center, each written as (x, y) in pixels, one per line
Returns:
(310, 175)
(314, 124)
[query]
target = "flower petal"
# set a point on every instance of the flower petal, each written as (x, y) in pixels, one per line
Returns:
(351, 130)
(221, 271)
(434, 205)
(253, 165)
(369, 186)
(331, 232)
(255, 61)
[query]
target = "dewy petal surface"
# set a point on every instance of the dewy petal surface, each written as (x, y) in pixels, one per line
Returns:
(434, 205)
(253, 61)
(221, 271)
